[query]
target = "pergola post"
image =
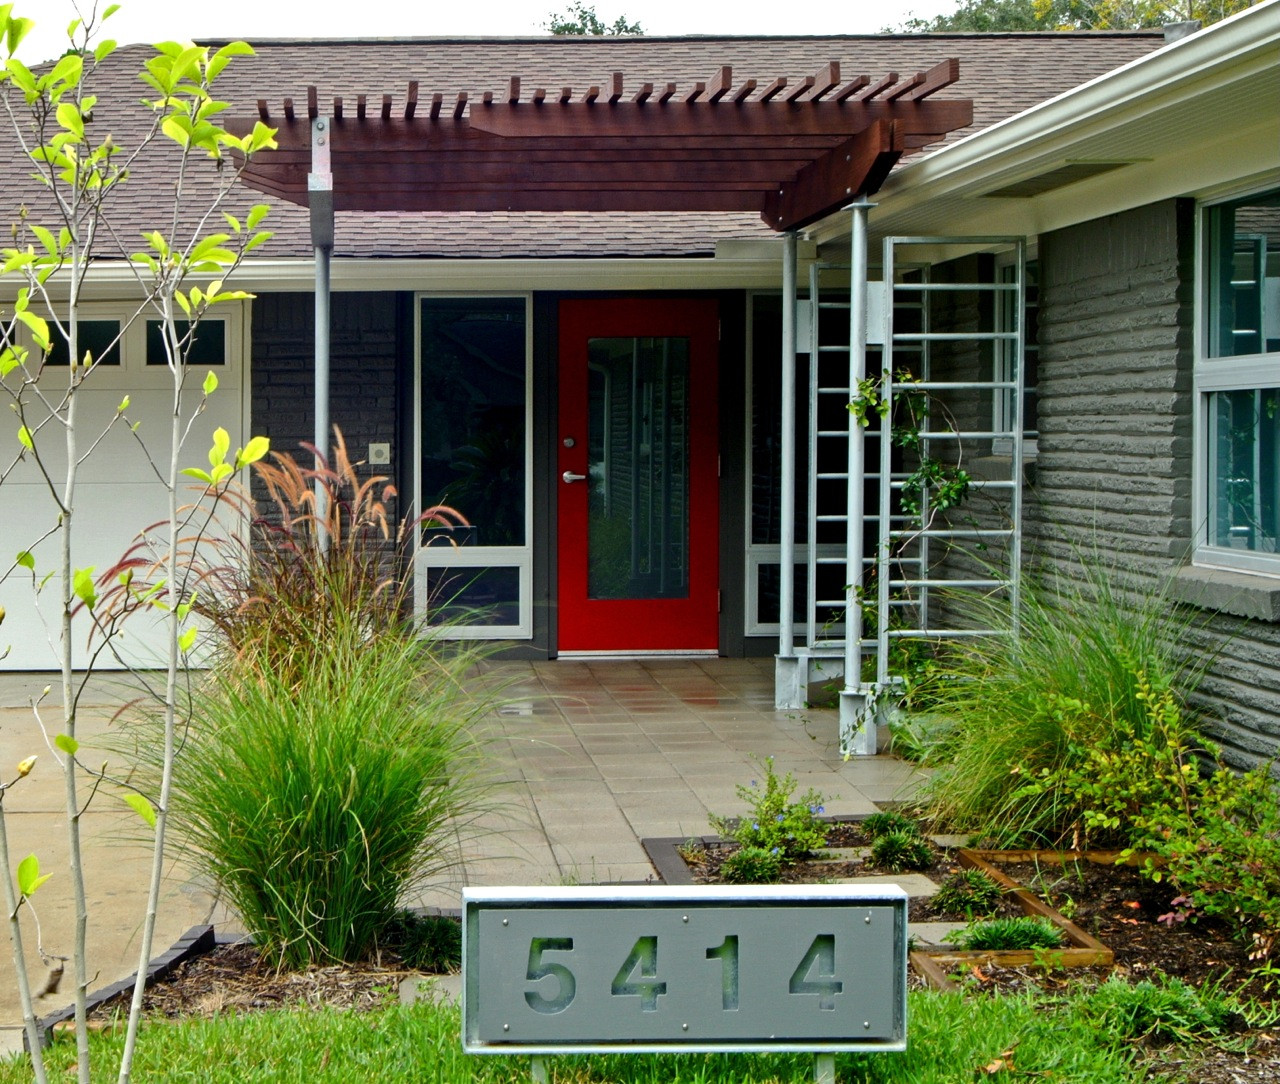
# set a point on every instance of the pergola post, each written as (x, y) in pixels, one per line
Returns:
(857, 727)
(790, 672)
(320, 202)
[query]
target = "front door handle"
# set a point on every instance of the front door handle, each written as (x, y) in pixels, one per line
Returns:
(569, 476)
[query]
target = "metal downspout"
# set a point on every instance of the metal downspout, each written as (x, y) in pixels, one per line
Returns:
(857, 726)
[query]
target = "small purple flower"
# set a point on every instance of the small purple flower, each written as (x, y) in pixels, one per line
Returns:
(779, 818)
(755, 826)
(774, 851)
(821, 809)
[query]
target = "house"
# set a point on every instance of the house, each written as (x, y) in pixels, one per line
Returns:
(603, 359)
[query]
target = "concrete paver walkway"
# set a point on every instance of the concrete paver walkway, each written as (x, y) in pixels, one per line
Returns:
(596, 755)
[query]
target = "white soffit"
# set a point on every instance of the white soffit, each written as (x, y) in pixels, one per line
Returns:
(1198, 114)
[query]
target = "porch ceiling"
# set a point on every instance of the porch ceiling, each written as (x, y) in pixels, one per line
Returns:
(793, 153)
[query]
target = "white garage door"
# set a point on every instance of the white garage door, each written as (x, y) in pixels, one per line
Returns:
(118, 493)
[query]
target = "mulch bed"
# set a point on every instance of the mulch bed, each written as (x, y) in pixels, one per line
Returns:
(235, 978)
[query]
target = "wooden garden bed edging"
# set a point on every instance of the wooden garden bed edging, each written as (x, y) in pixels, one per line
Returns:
(1083, 950)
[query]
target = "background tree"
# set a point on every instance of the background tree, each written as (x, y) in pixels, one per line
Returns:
(1005, 16)
(579, 18)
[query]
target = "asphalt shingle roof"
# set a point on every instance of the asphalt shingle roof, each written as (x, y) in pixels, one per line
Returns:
(1002, 73)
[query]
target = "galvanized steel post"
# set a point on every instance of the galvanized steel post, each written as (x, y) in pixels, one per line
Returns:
(857, 727)
(320, 201)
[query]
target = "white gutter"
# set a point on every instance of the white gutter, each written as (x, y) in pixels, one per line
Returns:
(1107, 100)
(115, 280)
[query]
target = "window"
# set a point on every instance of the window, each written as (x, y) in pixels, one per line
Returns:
(1237, 377)
(473, 455)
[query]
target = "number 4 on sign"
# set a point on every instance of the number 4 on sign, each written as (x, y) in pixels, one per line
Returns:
(816, 972)
(637, 975)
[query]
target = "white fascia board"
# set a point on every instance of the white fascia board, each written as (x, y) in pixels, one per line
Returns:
(490, 275)
(1244, 43)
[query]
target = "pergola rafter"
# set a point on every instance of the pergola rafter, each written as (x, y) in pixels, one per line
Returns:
(795, 152)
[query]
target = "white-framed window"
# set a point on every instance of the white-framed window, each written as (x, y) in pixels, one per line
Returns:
(1237, 383)
(1006, 354)
(473, 453)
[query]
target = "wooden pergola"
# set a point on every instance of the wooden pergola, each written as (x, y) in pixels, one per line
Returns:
(795, 153)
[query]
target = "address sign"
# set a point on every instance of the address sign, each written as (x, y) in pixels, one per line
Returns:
(795, 967)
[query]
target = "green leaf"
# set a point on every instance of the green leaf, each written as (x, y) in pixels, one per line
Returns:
(82, 584)
(188, 638)
(15, 32)
(9, 360)
(26, 559)
(46, 238)
(103, 50)
(142, 807)
(210, 383)
(252, 452)
(39, 328)
(67, 744)
(124, 405)
(24, 438)
(29, 878)
(111, 10)
(70, 119)
(221, 445)
(198, 474)
(256, 214)
(221, 471)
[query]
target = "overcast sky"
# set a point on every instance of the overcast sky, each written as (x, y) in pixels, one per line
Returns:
(159, 20)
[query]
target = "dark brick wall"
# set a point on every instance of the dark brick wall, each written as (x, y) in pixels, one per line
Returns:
(366, 351)
(1115, 465)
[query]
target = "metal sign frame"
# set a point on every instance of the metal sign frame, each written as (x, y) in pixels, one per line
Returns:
(617, 970)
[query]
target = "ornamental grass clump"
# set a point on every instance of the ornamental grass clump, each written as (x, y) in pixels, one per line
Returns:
(318, 800)
(331, 760)
(1029, 706)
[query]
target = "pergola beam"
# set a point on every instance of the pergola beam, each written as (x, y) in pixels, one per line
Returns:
(794, 151)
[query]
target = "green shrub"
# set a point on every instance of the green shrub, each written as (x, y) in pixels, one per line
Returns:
(881, 824)
(1158, 1010)
(1024, 933)
(774, 823)
(1026, 704)
(752, 866)
(1222, 851)
(317, 800)
(899, 851)
(968, 892)
(426, 942)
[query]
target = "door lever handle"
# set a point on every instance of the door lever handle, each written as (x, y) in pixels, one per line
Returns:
(569, 476)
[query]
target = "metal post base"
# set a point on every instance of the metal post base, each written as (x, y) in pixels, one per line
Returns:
(857, 724)
(824, 1068)
(790, 682)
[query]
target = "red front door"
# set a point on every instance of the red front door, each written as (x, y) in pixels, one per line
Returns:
(637, 477)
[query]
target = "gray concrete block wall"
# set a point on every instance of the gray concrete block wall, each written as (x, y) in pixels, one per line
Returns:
(1114, 473)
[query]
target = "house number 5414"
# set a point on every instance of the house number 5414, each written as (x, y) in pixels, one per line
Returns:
(550, 958)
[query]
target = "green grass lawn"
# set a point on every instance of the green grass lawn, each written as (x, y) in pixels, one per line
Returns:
(950, 1039)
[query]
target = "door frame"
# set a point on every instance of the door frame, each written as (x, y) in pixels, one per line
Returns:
(640, 626)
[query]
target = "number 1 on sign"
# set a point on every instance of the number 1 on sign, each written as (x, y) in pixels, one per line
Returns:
(727, 953)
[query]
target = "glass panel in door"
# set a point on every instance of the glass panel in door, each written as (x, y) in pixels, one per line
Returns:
(638, 468)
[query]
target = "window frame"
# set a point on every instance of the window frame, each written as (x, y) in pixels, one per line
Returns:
(1213, 374)
(426, 557)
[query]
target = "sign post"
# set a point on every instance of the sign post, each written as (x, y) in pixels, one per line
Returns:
(818, 968)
